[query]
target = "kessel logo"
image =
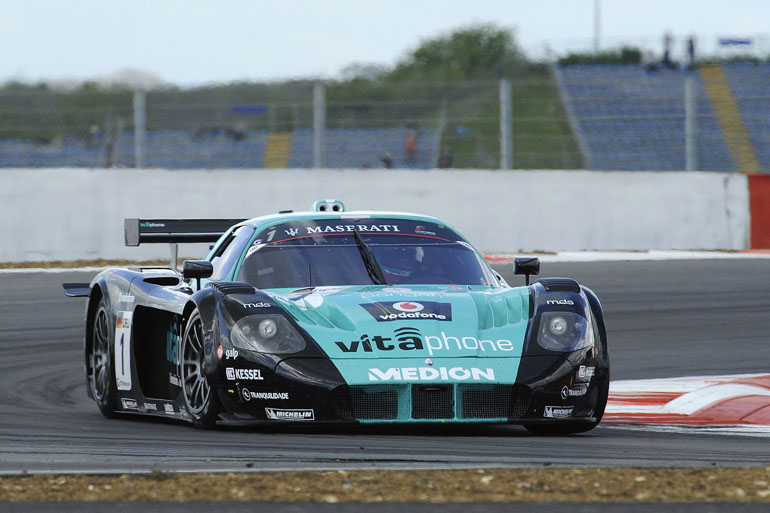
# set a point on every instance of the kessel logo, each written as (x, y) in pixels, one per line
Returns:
(385, 311)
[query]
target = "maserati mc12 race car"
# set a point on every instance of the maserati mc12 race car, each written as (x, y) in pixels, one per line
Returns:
(336, 316)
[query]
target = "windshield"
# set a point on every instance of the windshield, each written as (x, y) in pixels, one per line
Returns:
(410, 255)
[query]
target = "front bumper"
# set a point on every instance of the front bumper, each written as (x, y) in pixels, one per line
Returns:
(547, 389)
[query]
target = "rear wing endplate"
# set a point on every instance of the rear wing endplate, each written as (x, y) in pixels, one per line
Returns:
(175, 231)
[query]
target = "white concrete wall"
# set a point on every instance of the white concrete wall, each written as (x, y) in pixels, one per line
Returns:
(66, 214)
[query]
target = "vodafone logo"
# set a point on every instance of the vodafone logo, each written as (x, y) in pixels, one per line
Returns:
(384, 311)
(408, 306)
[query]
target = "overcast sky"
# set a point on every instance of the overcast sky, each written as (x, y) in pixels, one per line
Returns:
(190, 42)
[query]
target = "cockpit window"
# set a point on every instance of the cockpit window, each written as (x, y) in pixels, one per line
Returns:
(394, 252)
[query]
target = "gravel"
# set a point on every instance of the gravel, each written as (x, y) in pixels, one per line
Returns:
(745, 484)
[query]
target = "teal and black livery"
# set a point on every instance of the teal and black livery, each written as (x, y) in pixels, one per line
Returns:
(336, 316)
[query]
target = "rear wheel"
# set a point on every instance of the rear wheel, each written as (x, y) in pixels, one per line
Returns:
(199, 398)
(101, 375)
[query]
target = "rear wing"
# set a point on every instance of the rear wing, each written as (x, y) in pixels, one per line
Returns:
(175, 231)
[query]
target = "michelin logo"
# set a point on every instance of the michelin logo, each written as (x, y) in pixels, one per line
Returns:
(432, 374)
(275, 414)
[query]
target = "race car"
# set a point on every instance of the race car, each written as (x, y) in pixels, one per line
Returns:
(336, 316)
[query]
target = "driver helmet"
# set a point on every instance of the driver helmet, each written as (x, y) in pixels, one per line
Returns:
(400, 262)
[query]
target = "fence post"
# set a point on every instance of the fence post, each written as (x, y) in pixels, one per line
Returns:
(690, 123)
(319, 126)
(140, 127)
(506, 125)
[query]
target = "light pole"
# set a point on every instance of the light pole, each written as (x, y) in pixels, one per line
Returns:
(597, 25)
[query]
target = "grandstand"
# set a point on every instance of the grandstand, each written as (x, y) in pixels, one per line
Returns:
(627, 118)
(630, 118)
(178, 149)
(624, 117)
(749, 85)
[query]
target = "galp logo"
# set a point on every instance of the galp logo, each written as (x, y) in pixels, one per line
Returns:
(386, 311)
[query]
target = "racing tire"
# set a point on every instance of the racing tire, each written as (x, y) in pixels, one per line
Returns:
(200, 399)
(101, 362)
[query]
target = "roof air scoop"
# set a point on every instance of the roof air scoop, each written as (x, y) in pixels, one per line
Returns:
(328, 205)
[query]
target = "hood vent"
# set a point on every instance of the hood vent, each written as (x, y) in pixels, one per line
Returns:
(560, 284)
(232, 287)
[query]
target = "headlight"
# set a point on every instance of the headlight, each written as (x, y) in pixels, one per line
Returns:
(564, 331)
(266, 334)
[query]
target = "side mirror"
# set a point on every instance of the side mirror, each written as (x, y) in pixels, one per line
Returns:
(197, 269)
(526, 266)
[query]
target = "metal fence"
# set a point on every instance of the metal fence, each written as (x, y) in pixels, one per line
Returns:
(484, 125)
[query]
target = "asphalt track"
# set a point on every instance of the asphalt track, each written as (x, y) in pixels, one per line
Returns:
(665, 319)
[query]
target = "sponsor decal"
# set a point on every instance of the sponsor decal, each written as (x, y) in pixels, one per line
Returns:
(577, 391)
(586, 372)
(169, 408)
(408, 306)
(174, 379)
(275, 414)
(150, 407)
(244, 374)
(123, 350)
(558, 412)
(395, 290)
(429, 362)
(220, 352)
(173, 337)
(129, 404)
(432, 374)
(231, 354)
(410, 339)
(147, 224)
(409, 310)
(127, 298)
(292, 232)
(559, 302)
(342, 228)
(261, 304)
(422, 231)
(266, 396)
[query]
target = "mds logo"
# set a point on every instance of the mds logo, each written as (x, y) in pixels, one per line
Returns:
(386, 311)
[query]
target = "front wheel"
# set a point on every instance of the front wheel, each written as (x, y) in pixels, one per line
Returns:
(199, 398)
(100, 361)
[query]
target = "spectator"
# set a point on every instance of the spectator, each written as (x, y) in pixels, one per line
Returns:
(649, 62)
(691, 52)
(387, 161)
(668, 39)
(410, 145)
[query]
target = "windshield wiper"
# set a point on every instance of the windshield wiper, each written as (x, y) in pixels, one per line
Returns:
(370, 261)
